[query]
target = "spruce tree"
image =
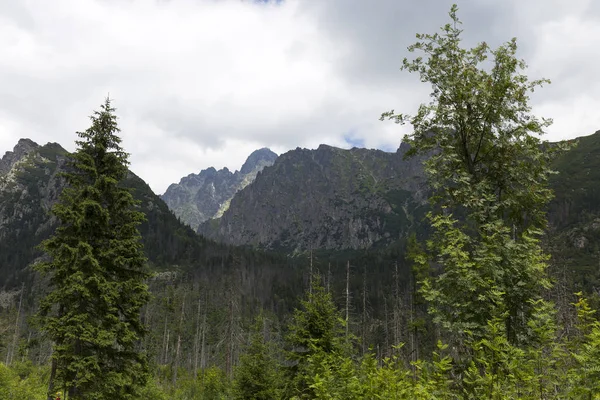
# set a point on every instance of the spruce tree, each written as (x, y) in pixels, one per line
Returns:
(97, 273)
(317, 330)
(257, 375)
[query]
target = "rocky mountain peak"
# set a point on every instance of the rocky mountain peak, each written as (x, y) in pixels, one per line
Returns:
(199, 197)
(258, 159)
(10, 158)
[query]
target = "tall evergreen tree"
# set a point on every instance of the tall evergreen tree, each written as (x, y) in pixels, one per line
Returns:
(97, 273)
(257, 375)
(488, 170)
(317, 329)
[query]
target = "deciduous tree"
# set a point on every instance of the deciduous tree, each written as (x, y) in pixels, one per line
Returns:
(488, 171)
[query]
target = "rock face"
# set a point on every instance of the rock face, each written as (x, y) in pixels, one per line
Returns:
(327, 198)
(22, 149)
(199, 197)
(29, 186)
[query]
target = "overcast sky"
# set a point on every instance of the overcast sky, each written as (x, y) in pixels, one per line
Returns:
(201, 83)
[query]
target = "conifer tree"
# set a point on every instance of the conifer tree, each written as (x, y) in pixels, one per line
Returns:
(257, 375)
(97, 273)
(317, 329)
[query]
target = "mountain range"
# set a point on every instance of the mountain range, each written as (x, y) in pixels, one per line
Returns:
(326, 199)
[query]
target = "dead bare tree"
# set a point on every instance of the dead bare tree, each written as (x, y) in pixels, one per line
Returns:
(11, 347)
(179, 329)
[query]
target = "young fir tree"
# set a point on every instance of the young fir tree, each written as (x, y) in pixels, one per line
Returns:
(488, 171)
(257, 375)
(317, 330)
(97, 271)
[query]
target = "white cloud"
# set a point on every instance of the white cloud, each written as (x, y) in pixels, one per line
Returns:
(566, 53)
(201, 83)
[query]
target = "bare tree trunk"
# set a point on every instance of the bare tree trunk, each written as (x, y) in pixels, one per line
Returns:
(26, 353)
(196, 340)
(10, 352)
(396, 310)
(166, 361)
(347, 297)
(176, 363)
(386, 326)
(310, 278)
(165, 345)
(364, 311)
(413, 330)
(202, 345)
(229, 353)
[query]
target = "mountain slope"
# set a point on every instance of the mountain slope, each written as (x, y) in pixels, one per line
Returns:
(327, 198)
(574, 215)
(199, 197)
(30, 184)
(331, 198)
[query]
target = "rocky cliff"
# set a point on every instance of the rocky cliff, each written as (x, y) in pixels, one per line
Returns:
(573, 235)
(199, 197)
(328, 198)
(29, 185)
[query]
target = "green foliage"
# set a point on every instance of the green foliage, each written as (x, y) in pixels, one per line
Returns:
(257, 377)
(317, 325)
(584, 374)
(332, 376)
(547, 355)
(317, 329)
(22, 382)
(215, 385)
(393, 380)
(489, 174)
(97, 272)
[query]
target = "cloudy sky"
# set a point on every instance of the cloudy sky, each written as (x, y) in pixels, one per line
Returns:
(201, 83)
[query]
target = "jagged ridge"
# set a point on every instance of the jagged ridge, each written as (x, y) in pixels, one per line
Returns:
(328, 198)
(199, 197)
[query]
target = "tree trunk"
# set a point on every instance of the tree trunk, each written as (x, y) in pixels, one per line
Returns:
(164, 346)
(10, 352)
(51, 381)
(196, 340)
(347, 297)
(328, 277)
(396, 310)
(364, 312)
(202, 344)
(176, 363)
(310, 278)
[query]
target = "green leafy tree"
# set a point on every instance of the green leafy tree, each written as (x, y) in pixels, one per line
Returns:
(97, 273)
(393, 380)
(584, 374)
(488, 171)
(22, 381)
